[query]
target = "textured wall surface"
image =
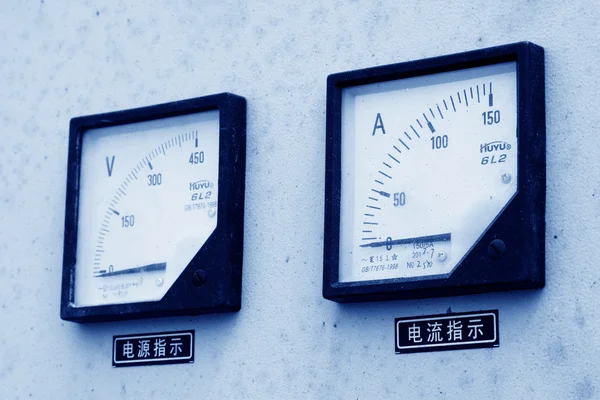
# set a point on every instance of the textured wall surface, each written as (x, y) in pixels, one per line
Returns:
(60, 59)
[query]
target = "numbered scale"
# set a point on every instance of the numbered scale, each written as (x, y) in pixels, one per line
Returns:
(435, 178)
(154, 217)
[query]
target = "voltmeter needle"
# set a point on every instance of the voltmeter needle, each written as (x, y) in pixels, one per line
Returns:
(443, 237)
(143, 268)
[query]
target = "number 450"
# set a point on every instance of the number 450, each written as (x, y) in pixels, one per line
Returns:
(196, 157)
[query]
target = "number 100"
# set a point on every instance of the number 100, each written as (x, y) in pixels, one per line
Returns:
(439, 142)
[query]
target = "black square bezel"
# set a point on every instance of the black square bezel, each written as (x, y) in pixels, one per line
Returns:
(521, 225)
(220, 257)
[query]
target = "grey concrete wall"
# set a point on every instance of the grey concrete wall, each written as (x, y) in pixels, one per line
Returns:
(60, 59)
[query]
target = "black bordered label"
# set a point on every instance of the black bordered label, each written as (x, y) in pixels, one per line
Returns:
(447, 332)
(153, 349)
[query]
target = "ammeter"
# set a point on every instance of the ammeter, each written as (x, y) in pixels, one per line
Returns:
(435, 178)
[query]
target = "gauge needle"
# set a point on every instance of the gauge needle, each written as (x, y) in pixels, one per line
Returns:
(143, 268)
(443, 237)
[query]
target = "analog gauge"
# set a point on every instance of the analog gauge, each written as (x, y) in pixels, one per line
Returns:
(147, 203)
(417, 194)
(149, 196)
(427, 164)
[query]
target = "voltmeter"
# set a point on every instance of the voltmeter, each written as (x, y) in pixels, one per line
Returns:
(154, 211)
(435, 181)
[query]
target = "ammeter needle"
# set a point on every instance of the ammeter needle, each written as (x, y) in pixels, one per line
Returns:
(443, 237)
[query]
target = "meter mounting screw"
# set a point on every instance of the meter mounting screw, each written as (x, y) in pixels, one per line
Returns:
(496, 249)
(199, 277)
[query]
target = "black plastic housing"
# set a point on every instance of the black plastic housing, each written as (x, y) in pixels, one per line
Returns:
(521, 225)
(220, 257)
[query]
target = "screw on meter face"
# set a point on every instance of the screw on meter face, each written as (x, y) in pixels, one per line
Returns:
(147, 203)
(427, 165)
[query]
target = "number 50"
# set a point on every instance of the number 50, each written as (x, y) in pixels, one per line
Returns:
(399, 199)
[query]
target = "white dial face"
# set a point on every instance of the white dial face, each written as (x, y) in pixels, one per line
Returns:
(428, 163)
(147, 203)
